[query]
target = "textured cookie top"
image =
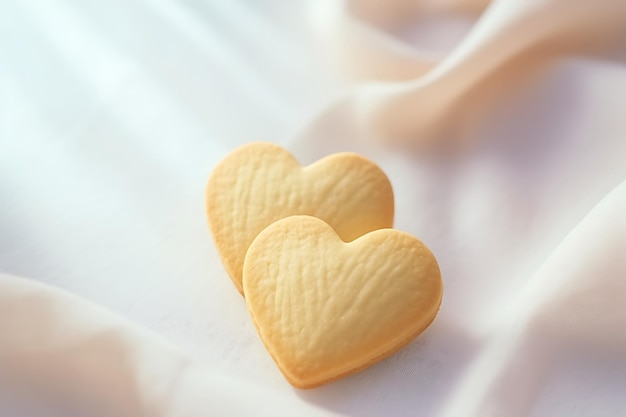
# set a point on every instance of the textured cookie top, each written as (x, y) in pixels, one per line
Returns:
(325, 308)
(260, 183)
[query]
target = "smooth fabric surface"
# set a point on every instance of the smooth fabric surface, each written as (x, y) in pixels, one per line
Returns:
(501, 126)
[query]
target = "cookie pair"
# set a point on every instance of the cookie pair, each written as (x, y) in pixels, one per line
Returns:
(331, 288)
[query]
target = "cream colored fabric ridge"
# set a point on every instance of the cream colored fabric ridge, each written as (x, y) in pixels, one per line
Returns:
(72, 357)
(570, 314)
(509, 40)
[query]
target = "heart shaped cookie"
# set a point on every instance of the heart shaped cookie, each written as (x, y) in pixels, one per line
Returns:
(260, 183)
(325, 308)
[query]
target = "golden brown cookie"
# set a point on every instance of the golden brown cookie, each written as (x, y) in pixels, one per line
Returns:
(325, 308)
(260, 183)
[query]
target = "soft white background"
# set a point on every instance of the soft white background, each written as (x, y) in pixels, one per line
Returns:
(114, 113)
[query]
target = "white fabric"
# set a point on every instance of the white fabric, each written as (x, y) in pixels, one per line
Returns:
(501, 127)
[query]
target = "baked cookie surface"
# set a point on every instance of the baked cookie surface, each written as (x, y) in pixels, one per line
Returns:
(325, 308)
(260, 183)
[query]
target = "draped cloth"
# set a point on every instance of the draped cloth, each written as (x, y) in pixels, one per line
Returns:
(501, 126)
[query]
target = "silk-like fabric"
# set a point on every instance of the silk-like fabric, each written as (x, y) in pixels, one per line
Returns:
(501, 126)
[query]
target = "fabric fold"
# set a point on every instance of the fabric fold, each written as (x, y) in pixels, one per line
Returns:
(72, 357)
